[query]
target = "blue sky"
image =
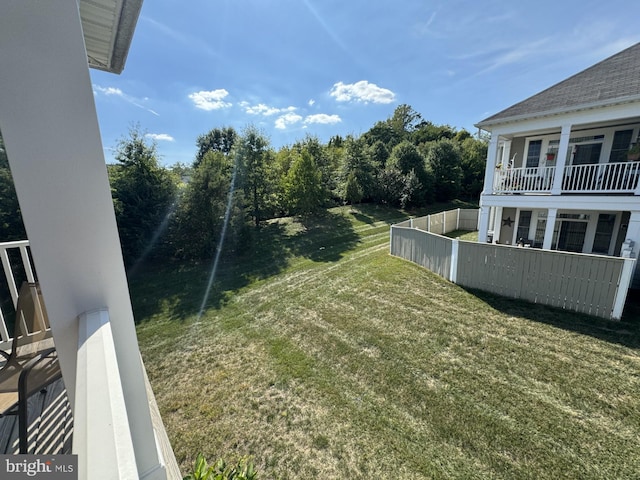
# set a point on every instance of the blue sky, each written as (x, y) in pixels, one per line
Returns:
(327, 67)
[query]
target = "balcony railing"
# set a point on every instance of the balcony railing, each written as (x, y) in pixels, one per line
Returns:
(620, 177)
(102, 438)
(16, 265)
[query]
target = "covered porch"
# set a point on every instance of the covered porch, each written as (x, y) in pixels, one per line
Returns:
(566, 159)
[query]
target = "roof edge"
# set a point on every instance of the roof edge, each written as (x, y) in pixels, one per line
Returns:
(558, 111)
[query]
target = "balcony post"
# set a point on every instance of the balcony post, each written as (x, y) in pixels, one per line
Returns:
(490, 169)
(483, 223)
(556, 188)
(548, 232)
(52, 138)
(497, 224)
(633, 233)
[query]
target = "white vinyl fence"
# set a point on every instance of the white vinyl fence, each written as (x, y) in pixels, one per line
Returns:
(592, 284)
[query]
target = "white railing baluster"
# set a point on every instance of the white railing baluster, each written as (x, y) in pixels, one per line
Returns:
(595, 178)
(11, 277)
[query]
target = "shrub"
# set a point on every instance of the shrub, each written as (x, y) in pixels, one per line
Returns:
(242, 470)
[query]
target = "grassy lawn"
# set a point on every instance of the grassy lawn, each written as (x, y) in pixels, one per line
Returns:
(323, 357)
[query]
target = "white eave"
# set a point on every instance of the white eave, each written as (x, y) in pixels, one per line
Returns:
(108, 27)
(486, 125)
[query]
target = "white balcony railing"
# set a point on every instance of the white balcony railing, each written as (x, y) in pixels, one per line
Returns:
(524, 180)
(619, 177)
(16, 265)
(601, 178)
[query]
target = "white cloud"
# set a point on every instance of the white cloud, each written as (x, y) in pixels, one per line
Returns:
(323, 118)
(311, 102)
(264, 110)
(210, 100)
(113, 91)
(261, 109)
(361, 91)
(287, 119)
(108, 90)
(161, 137)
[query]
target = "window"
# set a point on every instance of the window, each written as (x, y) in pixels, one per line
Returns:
(541, 226)
(587, 154)
(568, 235)
(604, 231)
(533, 154)
(523, 226)
(621, 142)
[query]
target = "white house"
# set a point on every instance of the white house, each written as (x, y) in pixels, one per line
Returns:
(50, 130)
(558, 175)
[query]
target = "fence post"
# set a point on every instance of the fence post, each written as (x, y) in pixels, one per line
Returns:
(391, 240)
(411, 222)
(453, 268)
(444, 223)
(623, 287)
(458, 219)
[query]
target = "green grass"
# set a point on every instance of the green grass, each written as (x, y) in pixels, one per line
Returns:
(323, 357)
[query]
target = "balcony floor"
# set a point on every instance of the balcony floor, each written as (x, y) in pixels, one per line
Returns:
(50, 424)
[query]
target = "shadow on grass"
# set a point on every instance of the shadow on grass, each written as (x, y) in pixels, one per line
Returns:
(176, 290)
(625, 332)
(325, 237)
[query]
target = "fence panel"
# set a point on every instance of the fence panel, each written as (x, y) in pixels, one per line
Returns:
(421, 223)
(590, 284)
(468, 219)
(430, 251)
(437, 222)
(583, 283)
(450, 221)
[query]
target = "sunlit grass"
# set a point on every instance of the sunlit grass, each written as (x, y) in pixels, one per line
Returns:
(345, 362)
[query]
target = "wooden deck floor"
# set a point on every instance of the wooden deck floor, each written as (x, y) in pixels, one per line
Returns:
(51, 427)
(50, 424)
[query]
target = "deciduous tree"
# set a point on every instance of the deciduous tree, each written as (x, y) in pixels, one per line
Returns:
(143, 193)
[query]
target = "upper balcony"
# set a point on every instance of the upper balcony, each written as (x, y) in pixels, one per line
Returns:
(598, 178)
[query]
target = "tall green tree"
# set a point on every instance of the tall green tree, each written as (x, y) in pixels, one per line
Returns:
(217, 140)
(258, 179)
(427, 131)
(474, 159)
(325, 162)
(356, 177)
(446, 163)
(406, 158)
(143, 194)
(303, 189)
(198, 226)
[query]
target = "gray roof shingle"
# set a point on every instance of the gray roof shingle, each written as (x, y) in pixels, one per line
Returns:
(608, 81)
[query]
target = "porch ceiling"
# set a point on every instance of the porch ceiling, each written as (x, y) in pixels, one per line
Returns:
(108, 27)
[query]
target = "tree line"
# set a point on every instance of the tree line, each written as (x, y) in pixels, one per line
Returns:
(237, 181)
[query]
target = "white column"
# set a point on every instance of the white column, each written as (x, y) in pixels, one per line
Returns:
(497, 224)
(548, 232)
(565, 134)
(633, 234)
(50, 127)
(490, 169)
(483, 224)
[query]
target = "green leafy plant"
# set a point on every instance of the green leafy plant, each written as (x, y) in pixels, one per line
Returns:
(634, 151)
(242, 470)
